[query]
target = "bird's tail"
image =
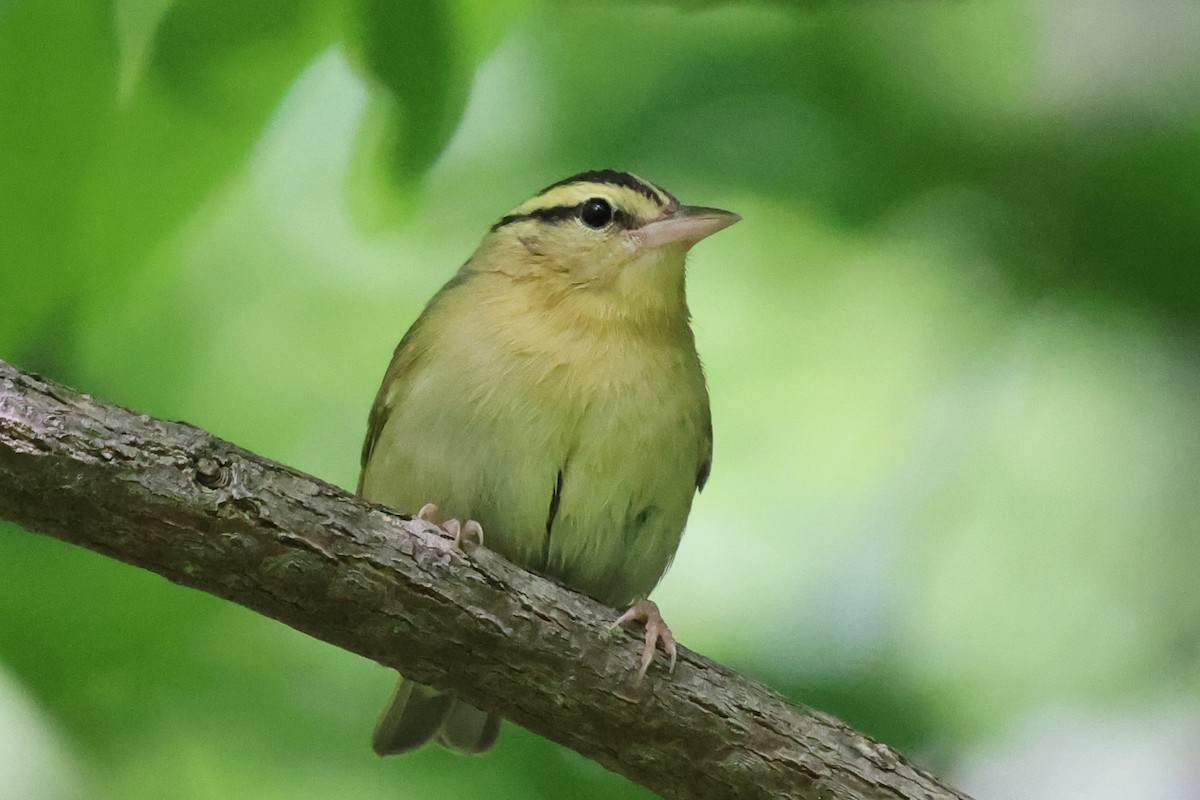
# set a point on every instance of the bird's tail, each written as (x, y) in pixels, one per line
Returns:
(416, 713)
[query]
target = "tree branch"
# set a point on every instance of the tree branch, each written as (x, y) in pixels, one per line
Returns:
(204, 513)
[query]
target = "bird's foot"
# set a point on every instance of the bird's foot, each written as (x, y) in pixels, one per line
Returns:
(464, 531)
(646, 612)
(456, 530)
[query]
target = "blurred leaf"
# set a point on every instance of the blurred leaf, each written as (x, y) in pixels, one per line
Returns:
(214, 76)
(411, 50)
(1135, 213)
(57, 81)
(422, 56)
(136, 24)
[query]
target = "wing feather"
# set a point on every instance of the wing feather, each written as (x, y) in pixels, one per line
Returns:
(404, 360)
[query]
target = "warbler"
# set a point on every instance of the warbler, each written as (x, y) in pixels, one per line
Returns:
(550, 395)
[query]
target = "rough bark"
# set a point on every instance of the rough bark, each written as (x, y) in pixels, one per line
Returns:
(207, 514)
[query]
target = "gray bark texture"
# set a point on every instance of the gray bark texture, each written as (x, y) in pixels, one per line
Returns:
(204, 513)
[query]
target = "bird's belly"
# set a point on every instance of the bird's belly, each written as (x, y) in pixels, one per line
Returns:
(589, 484)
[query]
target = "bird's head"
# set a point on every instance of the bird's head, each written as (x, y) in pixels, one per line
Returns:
(608, 234)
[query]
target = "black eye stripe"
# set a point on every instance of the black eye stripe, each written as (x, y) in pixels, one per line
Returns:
(558, 214)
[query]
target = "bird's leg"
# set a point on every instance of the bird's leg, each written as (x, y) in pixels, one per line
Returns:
(460, 533)
(646, 612)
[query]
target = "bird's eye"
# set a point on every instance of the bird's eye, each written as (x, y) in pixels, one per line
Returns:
(596, 213)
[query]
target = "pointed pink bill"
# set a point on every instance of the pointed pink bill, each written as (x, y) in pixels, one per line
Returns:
(686, 225)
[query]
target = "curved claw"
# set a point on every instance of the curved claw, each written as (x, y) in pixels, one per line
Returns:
(471, 531)
(646, 612)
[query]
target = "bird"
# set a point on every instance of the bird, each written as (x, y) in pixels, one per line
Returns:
(550, 395)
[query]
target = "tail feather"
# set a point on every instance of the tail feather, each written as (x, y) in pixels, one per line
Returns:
(412, 717)
(468, 729)
(416, 713)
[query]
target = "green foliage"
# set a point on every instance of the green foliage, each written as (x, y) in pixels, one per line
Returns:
(57, 78)
(951, 348)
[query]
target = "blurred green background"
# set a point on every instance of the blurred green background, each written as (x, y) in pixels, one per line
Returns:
(952, 351)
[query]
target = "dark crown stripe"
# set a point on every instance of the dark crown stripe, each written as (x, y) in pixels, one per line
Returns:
(613, 178)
